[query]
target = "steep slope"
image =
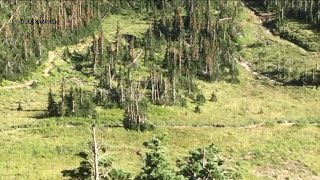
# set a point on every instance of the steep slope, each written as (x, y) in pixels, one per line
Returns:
(272, 55)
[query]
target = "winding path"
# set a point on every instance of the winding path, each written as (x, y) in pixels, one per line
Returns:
(247, 66)
(50, 63)
(48, 67)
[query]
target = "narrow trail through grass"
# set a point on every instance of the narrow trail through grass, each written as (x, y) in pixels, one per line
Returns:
(214, 126)
(48, 66)
(50, 63)
(247, 66)
(19, 85)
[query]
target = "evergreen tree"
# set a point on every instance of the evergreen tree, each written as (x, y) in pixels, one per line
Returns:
(156, 165)
(213, 97)
(197, 109)
(202, 164)
(200, 99)
(77, 103)
(66, 53)
(52, 107)
(19, 107)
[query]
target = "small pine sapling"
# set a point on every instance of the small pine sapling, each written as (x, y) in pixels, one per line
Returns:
(19, 107)
(213, 97)
(197, 109)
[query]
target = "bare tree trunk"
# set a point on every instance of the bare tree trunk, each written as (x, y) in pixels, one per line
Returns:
(180, 56)
(208, 15)
(72, 18)
(117, 40)
(25, 51)
(73, 106)
(39, 49)
(110, 78)
(81, 97)
(152, 86)
(204, 160)
(65, 18)
(122, 92)
(174, 75)
(101, 46)
(95, 154)
(95, 56)
(174, 88)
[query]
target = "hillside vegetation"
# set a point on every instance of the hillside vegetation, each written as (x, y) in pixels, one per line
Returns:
(201, 72)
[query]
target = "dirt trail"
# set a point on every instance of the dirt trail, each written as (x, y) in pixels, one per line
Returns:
(251, 126)
(27, 84)
(50, 63)
(48, 67)
(259, 18)
(259, 76)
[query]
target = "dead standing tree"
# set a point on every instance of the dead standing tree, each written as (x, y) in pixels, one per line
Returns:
(135, 106)
(94, 165)
(96, 147)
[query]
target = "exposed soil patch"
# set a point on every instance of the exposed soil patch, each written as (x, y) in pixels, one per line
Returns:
(27, 84)
(258, 75)
(46, 72)
(293, 170)
(50, 63)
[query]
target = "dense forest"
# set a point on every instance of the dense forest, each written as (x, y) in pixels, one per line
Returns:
(308, 10)
(31, 28)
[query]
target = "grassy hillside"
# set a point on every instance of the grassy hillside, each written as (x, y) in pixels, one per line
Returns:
(301, 33)
(267, 52)
(261, 152)
(268, 131)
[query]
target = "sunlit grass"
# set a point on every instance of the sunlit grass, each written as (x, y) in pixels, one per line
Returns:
(44, 153)
(266, 51)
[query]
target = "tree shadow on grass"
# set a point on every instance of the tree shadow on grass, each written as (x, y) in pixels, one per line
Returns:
(41, 115)
(28, 110)
(81, 172)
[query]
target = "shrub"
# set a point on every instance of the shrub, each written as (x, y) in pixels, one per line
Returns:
(202, 163)
(197, 109)
(200, 99)
(213, 97)
(19, 107)
(156, 163)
